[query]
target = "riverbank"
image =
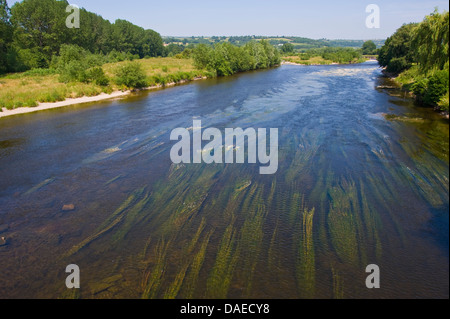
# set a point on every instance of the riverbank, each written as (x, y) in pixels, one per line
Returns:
(87, 99)
(405, 82)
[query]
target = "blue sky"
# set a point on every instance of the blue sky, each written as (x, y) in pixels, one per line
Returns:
(316, 19)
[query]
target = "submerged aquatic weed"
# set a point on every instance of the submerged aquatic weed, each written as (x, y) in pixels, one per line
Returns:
(109, 224)
(219, 280)
(338, 284)
(191, 280)
(251, 240)
(306, 268)
(342, 223)
(39, 186)
(153, 277)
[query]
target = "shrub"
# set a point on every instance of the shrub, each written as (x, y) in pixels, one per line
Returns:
(419, 88)
(443, 103)
(73, 71)
(437, 87)
(131, 75)
(97, 76)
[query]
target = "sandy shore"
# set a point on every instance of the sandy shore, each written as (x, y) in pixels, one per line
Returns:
(81, 100)
(67, 102)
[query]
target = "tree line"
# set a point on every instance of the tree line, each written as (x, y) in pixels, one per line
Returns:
(227, 59)
(418, 52)
(32, 32)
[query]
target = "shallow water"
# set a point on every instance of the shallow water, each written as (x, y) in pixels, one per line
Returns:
(352, 189)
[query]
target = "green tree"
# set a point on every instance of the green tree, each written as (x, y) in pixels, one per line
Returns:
(399, 46)
(369, 48)
(202, 56)
(287, 48)
(39, 29)
(6, 32)
(431, 41)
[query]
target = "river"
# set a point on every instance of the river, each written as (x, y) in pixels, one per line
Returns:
(352, 189)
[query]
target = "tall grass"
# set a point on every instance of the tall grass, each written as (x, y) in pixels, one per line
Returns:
(30, 88)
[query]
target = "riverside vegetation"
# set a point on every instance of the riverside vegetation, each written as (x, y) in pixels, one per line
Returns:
(54, 63)
(417, 55)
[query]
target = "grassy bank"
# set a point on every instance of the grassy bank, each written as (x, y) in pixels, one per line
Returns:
(30, 88)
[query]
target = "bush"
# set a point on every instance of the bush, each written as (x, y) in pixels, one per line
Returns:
(131, 75)
(443, 103)
(97, 76)
(419, 88)
(437, 87)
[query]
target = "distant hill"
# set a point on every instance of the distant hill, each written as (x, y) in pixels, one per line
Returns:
(298, 42)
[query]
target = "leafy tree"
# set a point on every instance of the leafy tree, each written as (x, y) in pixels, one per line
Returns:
(153, 44)
(226, 58)
(431, 41)
(40, 31)
(287, 48)
(424, 45)
(131, 75)
(399, 46)
(369, 48)
(174, 49)
(5, 35)
(202, 56)
(40, 28)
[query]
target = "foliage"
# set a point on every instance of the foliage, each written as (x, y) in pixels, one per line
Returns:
(444, 103)
(437, 87)
(131, 75)
(287, 48)
(29, 88)
(5, 35)
(398, 65)
(37, 33)
(227, 59)
(419, 53)
(398, 46)
(369, 48)
(328, 56)
(430, 42)
(97, 76)
(73, 62)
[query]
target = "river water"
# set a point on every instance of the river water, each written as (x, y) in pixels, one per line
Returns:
(352, 189)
